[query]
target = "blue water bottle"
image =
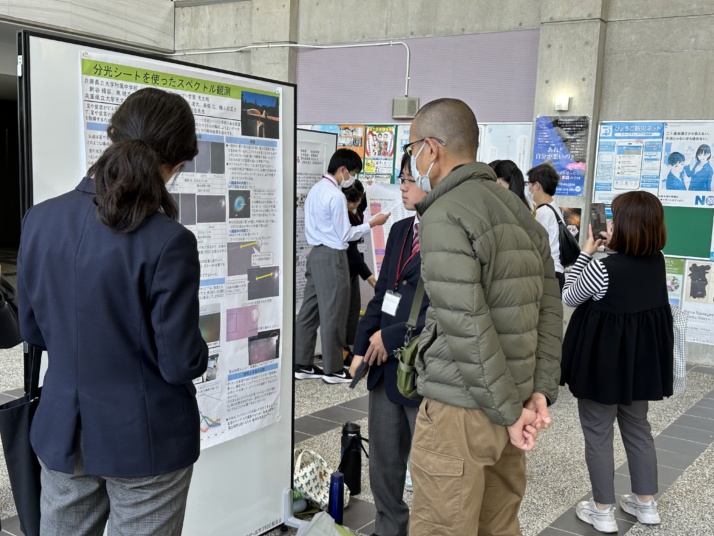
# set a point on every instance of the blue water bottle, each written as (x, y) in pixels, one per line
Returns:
(335, 505)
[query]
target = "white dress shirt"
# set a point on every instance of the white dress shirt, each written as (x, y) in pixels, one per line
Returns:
(546, 218)
(326, 219)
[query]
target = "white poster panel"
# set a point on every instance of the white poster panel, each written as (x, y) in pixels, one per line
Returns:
(402, 139)
(311, 165)
(230, 197)
(507, 141)
(385, 199)
(698, 301)
(686, 170)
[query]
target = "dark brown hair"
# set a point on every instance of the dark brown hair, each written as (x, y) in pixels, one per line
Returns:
(152, 128)
(637, 224)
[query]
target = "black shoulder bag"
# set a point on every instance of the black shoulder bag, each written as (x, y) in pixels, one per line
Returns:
(569, 247)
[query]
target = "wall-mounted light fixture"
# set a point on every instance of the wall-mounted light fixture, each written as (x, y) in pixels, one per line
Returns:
(561, 103)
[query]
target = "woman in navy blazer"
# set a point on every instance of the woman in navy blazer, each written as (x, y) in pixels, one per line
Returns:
(108, 283)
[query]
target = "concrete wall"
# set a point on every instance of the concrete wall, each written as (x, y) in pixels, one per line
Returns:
(148, 23)
(239, 23)
(341, 21)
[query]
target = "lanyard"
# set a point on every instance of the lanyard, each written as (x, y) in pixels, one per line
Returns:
(329, 179)
(400, 266)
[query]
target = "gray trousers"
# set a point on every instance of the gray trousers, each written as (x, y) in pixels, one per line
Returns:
(597, 422)
(80, 505)
(391, 427)
(325, 305)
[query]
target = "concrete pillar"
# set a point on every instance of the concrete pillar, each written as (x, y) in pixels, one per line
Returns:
(236, 24)
(570, 61)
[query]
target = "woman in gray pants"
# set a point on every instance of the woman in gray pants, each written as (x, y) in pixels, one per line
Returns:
(618, 352)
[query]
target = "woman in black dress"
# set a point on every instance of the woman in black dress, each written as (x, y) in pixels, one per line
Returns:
(618, 352)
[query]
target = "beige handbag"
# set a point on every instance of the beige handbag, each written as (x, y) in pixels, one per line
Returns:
(312, 477)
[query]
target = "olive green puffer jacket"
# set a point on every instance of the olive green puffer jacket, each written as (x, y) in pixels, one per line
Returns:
(494, 327)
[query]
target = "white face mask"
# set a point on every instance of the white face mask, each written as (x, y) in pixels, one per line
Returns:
(349, 182)
(421, 180)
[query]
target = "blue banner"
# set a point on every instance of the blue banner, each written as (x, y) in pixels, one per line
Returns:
(563, 142)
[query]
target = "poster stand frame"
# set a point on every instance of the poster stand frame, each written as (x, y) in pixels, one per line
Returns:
(27, 196)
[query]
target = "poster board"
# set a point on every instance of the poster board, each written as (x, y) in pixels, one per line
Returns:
(689, 232)
(669, 159)
(314, 150)
(239, 485)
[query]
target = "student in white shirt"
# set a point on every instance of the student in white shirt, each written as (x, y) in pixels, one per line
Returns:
(326, 300)
(542, 182)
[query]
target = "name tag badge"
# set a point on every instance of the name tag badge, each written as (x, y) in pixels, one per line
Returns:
(391, 302)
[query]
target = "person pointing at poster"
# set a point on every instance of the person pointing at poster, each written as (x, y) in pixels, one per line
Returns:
(108, 284)
(326, 302)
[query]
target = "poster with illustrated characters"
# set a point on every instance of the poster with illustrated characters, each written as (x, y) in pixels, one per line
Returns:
(698, 301)
(563, 142)
(352, 137)
(230, 196)
(379, 150)
(686, 171)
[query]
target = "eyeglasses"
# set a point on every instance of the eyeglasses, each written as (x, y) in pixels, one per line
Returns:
(408, 147)
(403, 180)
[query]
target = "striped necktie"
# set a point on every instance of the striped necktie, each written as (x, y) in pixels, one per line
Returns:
(415, 240)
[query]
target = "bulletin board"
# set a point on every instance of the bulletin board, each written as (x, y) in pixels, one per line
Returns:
(689, 232)
(241, 482)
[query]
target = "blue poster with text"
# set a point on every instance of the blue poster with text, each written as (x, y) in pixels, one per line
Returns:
(563, 142)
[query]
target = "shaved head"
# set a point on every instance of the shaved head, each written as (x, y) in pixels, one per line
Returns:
(452, 121)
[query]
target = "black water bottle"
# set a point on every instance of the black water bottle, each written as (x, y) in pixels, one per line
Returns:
(351, 465)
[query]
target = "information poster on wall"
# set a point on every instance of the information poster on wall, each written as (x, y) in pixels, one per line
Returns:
(403, 132)
(675, 279)
(311, 164)
(230, 197)
(352, 137)
(628, 158)
(384, 198)
(507, 141)
(563, 141)
(698, 300)
(686, 170)
(379, 150)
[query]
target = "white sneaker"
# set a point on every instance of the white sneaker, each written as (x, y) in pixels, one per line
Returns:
(645, 513)
(602, 520)
(341, 376)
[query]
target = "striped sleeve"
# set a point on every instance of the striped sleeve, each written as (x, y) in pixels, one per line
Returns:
(588, 279)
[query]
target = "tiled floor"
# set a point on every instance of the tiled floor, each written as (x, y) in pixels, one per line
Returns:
(557, 477)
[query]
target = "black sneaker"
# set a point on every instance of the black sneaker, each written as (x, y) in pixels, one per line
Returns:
(337, 377)
(307, 372)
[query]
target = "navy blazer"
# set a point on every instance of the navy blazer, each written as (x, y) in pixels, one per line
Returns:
(394, 328)
(118, 316)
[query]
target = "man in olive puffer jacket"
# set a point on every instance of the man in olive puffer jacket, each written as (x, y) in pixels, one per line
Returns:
(489, 355)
